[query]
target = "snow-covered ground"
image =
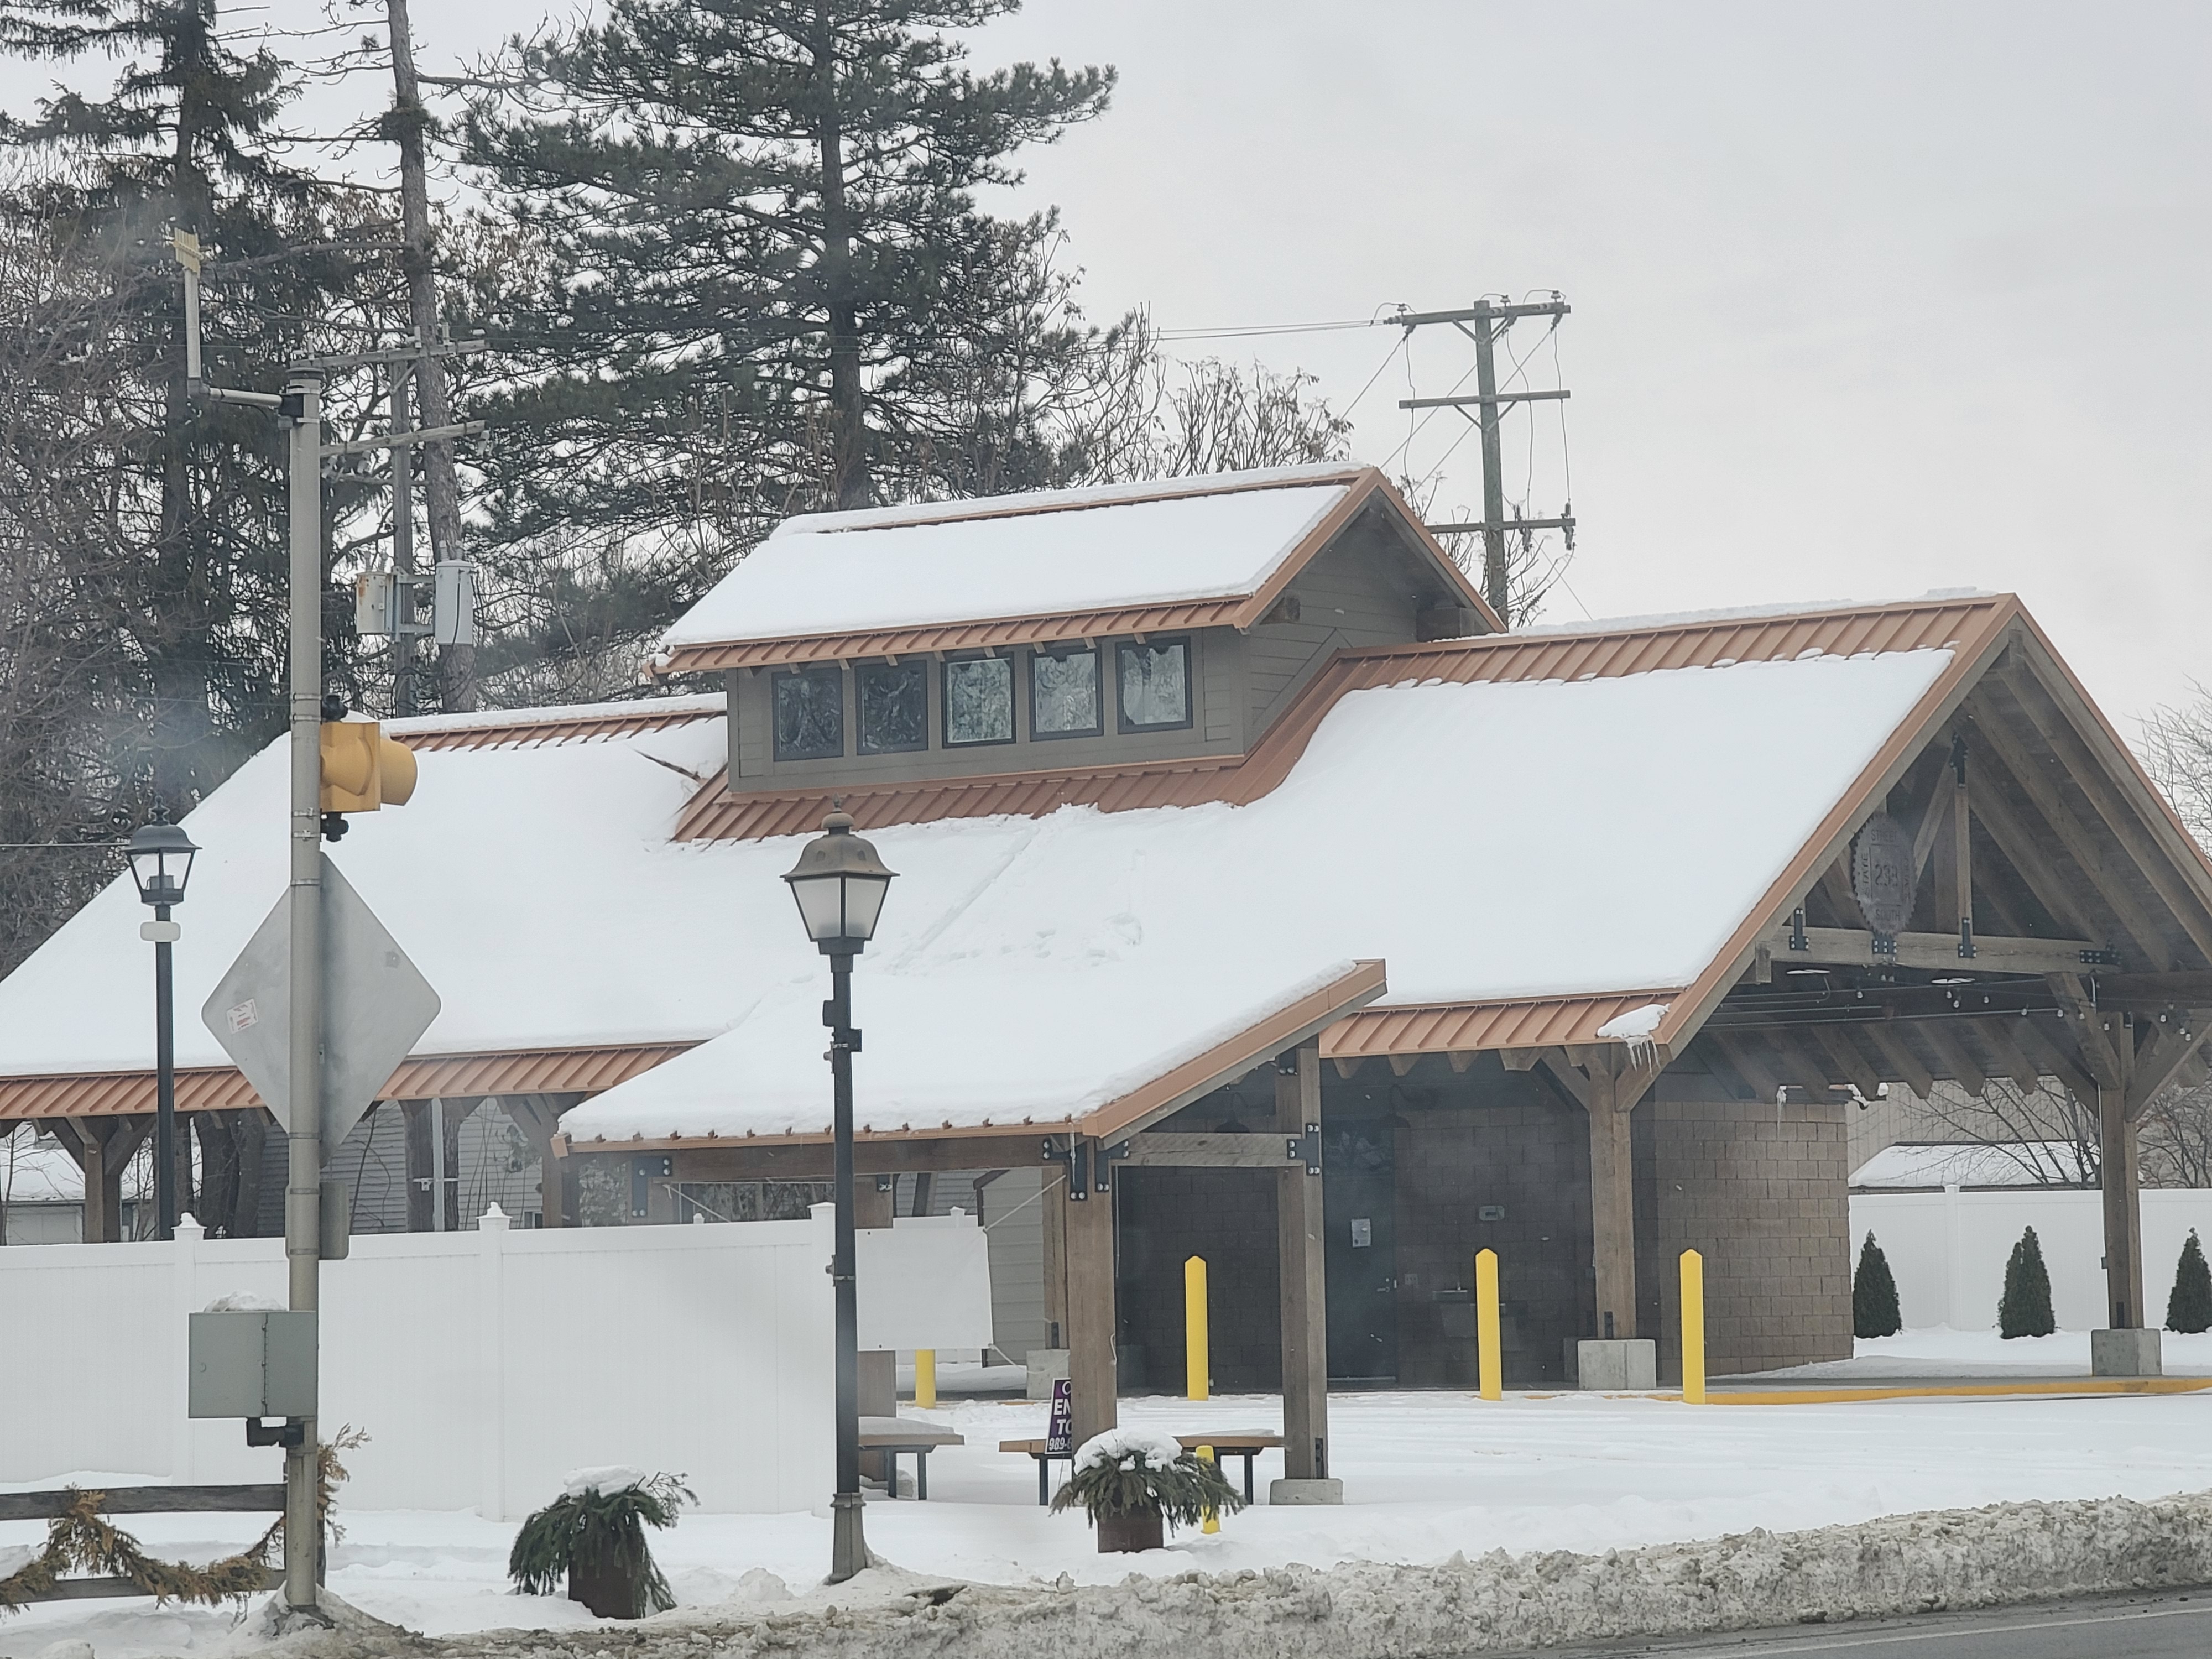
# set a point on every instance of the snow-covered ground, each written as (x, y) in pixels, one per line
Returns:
(1426, 1474)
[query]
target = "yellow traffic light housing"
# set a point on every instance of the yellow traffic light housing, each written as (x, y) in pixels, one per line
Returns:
(363, 769)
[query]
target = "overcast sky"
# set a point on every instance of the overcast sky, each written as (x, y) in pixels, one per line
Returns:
(1867, 300)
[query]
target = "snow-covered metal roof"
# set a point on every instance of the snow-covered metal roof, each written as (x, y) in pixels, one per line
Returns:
(540, 886)
(1035, 568)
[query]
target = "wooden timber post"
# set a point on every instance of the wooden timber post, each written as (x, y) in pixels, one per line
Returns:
(1301, 1271)
(1092, 1320)
(2107, 1045)
(1052, 1203)
(93, 1165)
(101, 1147)
(1607, 1081)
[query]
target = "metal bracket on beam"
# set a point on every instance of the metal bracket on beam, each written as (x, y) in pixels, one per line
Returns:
(1304, 1149)
(2100, 958)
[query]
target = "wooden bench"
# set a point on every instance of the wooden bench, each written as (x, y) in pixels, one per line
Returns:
(892, 1436)
(1225, 1445)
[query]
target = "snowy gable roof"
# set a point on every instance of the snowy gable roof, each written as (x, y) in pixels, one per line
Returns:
(1127, 558)
(1921, 1165)
(1579, 836)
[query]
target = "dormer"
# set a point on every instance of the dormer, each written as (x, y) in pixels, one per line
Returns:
(1119, 626)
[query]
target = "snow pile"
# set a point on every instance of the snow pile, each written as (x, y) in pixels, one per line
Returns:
(1635, 1025)
(612, 1477)
(1122, 1447)
(1909, 1564)
(245, 1302)
(842, 574)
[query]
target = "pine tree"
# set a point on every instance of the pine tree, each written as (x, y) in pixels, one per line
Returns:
(2025, 1307)
(1873, 1294)
(2189, 1308)
(186, 138)
(765, 284)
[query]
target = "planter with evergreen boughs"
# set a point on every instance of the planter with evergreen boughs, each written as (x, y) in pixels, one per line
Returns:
(2189, 1309)
(1135, 1483)
(2025, 1308)
(593, 1536)
(1873, 1294)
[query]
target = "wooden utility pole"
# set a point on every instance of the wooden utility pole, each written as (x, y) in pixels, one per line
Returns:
(406, 123)
(1486, 322)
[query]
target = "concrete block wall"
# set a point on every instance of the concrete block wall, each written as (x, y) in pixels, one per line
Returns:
(1762, 1194)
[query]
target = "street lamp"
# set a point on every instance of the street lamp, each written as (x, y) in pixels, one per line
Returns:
(840, 884)
(161, 858)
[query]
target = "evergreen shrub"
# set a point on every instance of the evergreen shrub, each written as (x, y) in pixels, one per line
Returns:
(593, 1535)
(2189, 1309)
(2025, 1308)
(1873, 1294)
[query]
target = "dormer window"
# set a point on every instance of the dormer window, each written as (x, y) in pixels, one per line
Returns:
(1154, 683)
(810, 714)
(979, 700)
(894, 707)
(1064, 701)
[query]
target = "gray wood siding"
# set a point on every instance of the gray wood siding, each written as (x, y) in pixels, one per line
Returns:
(1216, 727)
(1351, 594)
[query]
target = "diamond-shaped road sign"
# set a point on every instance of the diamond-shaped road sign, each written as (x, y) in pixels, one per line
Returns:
(375, 1005)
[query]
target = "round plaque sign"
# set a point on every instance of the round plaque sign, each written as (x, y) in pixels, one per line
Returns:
(1883, 874)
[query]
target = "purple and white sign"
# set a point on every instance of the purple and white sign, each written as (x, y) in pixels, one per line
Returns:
(1059, 1432)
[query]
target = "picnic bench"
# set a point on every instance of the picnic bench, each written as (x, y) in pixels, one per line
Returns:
(1227, 1445)
(893, 1435)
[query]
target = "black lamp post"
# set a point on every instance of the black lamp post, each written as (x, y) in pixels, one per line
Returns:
(840, 884)
(161, 856)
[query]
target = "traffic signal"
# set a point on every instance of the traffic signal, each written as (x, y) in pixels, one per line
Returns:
(362, 770)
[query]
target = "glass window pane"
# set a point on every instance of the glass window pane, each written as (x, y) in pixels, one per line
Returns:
(979, 700)
(810, 714)
(894, 707)
(1064, 695)
(1155, 684)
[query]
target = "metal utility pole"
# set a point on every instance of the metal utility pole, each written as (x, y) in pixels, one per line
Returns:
(303, 1186)
(1486, 322)
(403, 549)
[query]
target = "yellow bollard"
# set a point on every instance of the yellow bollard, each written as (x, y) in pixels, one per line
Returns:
(1212, 1523)
(925, 1377)
(1197, 1369)
(1693, 1328)
(1490, 1368)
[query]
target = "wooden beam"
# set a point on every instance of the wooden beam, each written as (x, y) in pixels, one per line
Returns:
(2122, 1193)
(1616, 1084)
(1092, 1324)
(538, 1117)
(1958, 1065)
(1938, 951)
(2039, 703)
(1889, 1040)
(2002, 1038)
(2160, 1051)
(2155, 991)
(1349, 1069)
(1301, 1271)
(2024, 848)
(2142, 930)
(1401, 1064)
(1849, 1058)
(1836, 888)
(1748, 1066)
(1461, 1059)
(148, 1500)
(1564, 1072)
(1157, 1150)
(2036, 1041)
(809, 1160)
(2091, 1028)
(1051, 1200)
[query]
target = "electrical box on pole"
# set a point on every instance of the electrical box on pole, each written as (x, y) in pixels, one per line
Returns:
(453, 606)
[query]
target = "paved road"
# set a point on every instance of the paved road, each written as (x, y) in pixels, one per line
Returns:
(2178, 1625)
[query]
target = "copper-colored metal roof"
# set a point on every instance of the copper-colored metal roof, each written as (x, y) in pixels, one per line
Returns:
(714, 814)
(222, 1088)
(1241, 610)
(1463, 1027)
(528, 727)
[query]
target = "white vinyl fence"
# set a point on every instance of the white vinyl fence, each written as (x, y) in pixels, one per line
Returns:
(483, 1364)
(1949, 1248)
